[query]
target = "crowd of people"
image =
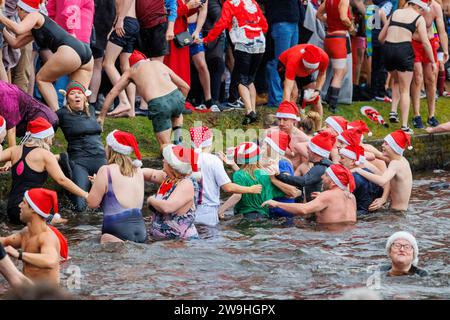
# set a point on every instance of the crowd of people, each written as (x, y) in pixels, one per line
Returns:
(163, 59)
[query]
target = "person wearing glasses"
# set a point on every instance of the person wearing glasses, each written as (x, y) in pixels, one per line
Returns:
(402, 249)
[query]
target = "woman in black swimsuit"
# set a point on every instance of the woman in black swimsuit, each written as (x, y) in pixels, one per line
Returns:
(70, 55)
(399, 54)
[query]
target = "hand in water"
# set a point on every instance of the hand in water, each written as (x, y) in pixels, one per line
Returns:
(377, 204)
(6, 167)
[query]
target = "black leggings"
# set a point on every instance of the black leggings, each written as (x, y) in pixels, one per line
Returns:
(2, 252)
(82, 168)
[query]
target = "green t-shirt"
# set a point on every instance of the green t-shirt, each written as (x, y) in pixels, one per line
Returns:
(252, 202)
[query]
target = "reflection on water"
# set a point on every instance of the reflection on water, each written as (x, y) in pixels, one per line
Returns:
(247, 261)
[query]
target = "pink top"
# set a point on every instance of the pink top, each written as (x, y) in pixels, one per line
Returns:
(74, 16)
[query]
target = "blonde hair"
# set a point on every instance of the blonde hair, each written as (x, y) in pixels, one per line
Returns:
(124, 162)
(40, 143)
(251, 168)
(270, 120)
(85, 109)
(310, 123)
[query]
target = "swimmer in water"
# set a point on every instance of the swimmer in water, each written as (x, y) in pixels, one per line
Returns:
(398, 173)
(164, 91)
(402, 249)
(336, 204)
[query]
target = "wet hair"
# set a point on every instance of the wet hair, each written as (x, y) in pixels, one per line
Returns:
(124, 162)
(310, 123)
(39, 291)
(270, 120)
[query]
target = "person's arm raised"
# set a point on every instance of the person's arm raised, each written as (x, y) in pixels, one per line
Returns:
(320, 14)
(384, 178)
(153, 175)
(54, 170)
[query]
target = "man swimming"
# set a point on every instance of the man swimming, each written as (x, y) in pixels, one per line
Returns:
(164, 91)
(335, 205)
(398, 173)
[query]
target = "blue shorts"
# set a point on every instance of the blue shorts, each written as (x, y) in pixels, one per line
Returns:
(195, 48)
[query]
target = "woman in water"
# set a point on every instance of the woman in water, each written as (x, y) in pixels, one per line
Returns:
(118, 188)
(83, 134)
(32, 162)
(70, 55)
(173, 206)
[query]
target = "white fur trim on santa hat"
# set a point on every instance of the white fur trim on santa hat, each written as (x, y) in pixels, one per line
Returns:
(391, 142)
(310, 65)
(335, 179)
(204, 144)
(43, 134)
(333, 123)
(3, 127)
(351, 155)
(137, 163)
(408, 237)
(421, 4)
(318, 150)
(287, 116)
(273, 145)
(26, 7)
(341, 138)
(176, 164)
(116, 146)
(35, 207)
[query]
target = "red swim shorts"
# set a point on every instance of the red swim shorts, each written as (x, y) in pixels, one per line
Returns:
(337, 46)
(420, 54)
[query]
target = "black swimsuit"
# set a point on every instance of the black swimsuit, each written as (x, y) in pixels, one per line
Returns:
(23, 179)
(52, 36)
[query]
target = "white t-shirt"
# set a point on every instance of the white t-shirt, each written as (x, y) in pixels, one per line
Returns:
(214, 176)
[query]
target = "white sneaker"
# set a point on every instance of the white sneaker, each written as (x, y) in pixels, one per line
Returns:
(201, 107)
(215, 108)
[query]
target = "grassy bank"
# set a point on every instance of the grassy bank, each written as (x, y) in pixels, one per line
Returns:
(142, 128)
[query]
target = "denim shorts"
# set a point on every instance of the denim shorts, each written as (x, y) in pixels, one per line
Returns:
(195, 48)
(128, 41)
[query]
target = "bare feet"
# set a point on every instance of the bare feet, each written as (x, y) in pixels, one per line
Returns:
(122, 107)
(125, 114)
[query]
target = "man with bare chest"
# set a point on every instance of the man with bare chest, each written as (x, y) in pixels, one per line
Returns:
(37, 245)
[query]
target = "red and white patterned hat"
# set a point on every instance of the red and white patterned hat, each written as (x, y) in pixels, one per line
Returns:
(342, 177)
(124, 143)
(338, 123)
(201, 137)
(278, 140)
(322, 143)
(43, 201)
(183, 160)
(287, 110)
(399, 141)
(247, 153)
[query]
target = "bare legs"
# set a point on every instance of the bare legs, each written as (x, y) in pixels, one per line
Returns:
(203, 74)
(96, 80)
(404, 83)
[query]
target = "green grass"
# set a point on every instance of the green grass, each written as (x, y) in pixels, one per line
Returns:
(142, 128)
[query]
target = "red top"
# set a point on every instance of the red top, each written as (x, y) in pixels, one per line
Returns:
(183, 12)
(334, 22)
(246, 13)
(292, 60)
(150, 13)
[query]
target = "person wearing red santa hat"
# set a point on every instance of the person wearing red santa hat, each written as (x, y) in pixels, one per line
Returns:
(163, 90)
(336, 204)
(319, 149)
(173, 206)
(38, 245)
(70, 55)
(214, 178)
(2, 132)
(119, 188)
(398, 173)
(296, 67)
(366, 192)
(32, 163)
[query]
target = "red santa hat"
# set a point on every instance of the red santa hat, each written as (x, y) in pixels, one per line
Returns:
(247, 153)
(201, 137)
(39, 128)
(43, 201)
(135, 57)
(338, 123)
(354, 152)
(361, 125)
(399, 141)
(322, 143)
(424, 4)
(183, 160)
(287, 110)
(311, 56)
(124, 143)
(278, 141)
(350, 136)
(2, 124)
(341, 176)
(29, 5)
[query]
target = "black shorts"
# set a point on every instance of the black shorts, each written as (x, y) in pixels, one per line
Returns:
(97, 53)
(301, 82)
(247, 65)
(153, 41)
(128, 41)
(399, 56)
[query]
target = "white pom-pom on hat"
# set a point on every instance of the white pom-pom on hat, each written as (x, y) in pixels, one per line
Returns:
(137, 163)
